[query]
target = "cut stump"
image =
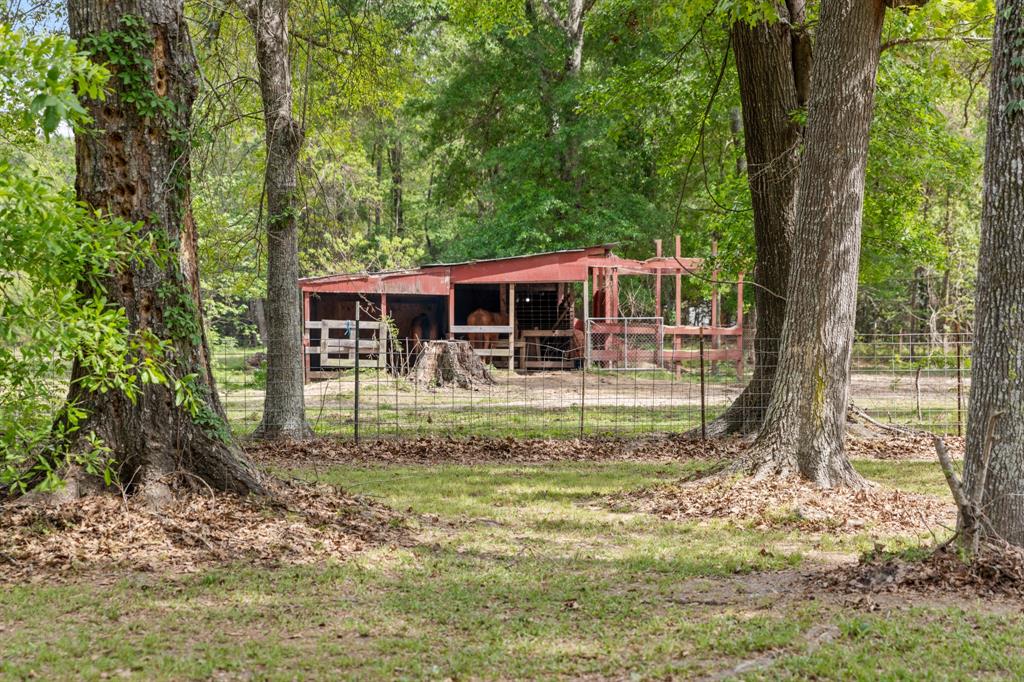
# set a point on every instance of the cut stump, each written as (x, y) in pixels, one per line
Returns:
(443, 363)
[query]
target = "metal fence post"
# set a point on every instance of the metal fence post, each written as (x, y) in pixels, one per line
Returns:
(703, 407)
(959, 386)
(355, 426)
(583, 395)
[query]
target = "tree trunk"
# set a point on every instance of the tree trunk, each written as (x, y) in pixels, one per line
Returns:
(135, 166)
(397, 185)
(771, 65)
(806, 418)
(259, 316)
(284, 405)
(444, 363)
(572, 26)
(997, 379)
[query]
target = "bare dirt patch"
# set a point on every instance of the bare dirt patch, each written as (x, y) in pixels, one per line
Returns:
(491, 451)
(793, 503)
(299, 524)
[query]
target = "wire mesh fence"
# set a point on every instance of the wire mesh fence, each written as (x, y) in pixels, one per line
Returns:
(615, 385)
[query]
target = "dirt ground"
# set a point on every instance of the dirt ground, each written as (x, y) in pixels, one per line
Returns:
(893, 396)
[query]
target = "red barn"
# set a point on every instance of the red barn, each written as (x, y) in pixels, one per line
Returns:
(532, 297)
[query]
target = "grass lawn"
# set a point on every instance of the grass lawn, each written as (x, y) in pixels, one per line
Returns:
(516, 572)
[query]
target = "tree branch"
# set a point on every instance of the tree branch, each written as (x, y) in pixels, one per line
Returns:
(549, 11)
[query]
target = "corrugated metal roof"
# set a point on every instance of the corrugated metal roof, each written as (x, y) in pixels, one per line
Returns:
(525, 255)
(384, 274)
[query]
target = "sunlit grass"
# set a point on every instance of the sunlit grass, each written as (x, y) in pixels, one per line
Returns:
(516, 572)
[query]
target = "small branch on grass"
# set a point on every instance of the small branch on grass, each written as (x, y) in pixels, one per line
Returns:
(862, 414)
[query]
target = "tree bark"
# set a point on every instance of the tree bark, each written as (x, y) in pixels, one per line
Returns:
(771, 65)
(397, 185)
(284, 405)
(135, 166)
(806, 419)
(997, 378)
(572, 27)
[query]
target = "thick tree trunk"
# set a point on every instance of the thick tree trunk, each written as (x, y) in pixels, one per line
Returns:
(806, 418)
(136, 166)
(997, 378)
(284, 405)
(771, 65)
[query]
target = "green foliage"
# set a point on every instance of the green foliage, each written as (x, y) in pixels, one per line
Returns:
(125, 53)
(180, 313)
(55, 255)
(41, 78)
(194, 397)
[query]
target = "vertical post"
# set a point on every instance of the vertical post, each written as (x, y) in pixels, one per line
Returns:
(383, 333)
(679, 303)
(615, 292)
(512, 325)
(585, 351)
(606, 288)
(625, 343)
(959, 386)
(451, 311)
(597, 288)
(714, 288)
(716, 312)
(657, 280)
(917, 396)
(659, 353)
(583, 377)
(355, 416)
(739, 325)
(703, 407)
(325, 334)
(305, 337)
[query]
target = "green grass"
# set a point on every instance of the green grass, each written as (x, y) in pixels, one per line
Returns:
(516, 572)
(917, 477)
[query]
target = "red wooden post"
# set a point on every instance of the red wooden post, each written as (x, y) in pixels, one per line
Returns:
(657, 280)
(605, 286)
(615, 292)
(716, 340)
(714, 288)
(679, 302)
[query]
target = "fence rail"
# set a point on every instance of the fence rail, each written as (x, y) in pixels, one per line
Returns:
(919, 382)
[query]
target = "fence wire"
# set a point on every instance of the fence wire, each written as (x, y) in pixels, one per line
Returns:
(915, 381)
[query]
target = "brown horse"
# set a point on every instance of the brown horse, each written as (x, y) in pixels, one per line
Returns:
(424, 329)
(485, 318)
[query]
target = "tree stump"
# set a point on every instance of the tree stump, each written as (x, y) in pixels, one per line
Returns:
(443, 363)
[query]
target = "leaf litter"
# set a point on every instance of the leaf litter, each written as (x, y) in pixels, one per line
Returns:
(298, 523)
(996, 571)
(792, 503)
(481, 450)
